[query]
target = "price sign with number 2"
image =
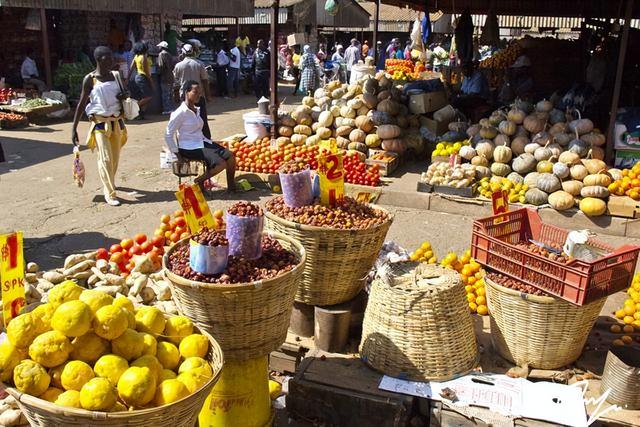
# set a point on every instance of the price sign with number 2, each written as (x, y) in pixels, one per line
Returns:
(12, 275)
(331, 175)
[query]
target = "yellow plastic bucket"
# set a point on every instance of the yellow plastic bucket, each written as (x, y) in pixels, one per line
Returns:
(240, 398)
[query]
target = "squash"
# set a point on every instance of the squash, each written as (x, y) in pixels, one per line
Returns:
(388, 131)
(569, 158)
(384, 82)
(594, 191)
(480, 161)
(555, 148)
(531, 148)
(370, 86)
(283, 141)
(301, 110)
(488, 132)
(536, 197)
(578, 172)
(395, 145)
(380, 118)
(501, 139)
(355, 103)
(545, 166)
(594, 165)
(542, 138)
(572, 187)
(373, 140)
(485, 148)
(496, 117)
(402, 121)
(616, 174)
(482, 172)
(343, 130)
(347, 112)
(323, 133)
(287, 121)
(524, 163)
(597, 153)
(382, 95)
(342, 142)
(581, 126)
(357, 135)
(515, 177)
(544, 106)
(458, 126)
(502, 154)
(562, 138)
(516, 115)
(533, 124)
(521, 131)
(548, 183)
(561, 200)
(325, 119)
(364, 123)
(370, 100)
(305, 121)
(518, 144)
(348, 122)
(362, 111)
(315, 126)
(312, 140)
(285, 131)
(541, 115)
(303, 130)
(388, 106)
(579, 147)
(473, 130)
(335, 111)
(600, 179)
(467, 152)
(298, 139)
(315, 113)
(323, 102)
(594, 139)
(500, 169)
(558, 128)
(358, 146)
(338, 93)
(320, 93)
(507, 127)
(531, 180)
(485, 123)
(592, 206)
(543, 153)
(561, 170)
(557, 117)
(523, 105)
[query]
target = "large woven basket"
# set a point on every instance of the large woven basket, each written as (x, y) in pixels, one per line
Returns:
(417, 324)
(183, 413)
(539, 331)
(337, 260)
(621, 377)
(248, 319)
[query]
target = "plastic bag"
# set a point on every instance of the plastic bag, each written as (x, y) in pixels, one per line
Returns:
(208, 259)
(332, 7)
(296, 188)
(78, 168)
(245, 235)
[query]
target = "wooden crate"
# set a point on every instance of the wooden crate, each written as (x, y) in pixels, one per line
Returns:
(387, 167)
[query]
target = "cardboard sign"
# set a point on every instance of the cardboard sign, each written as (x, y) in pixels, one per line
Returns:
(331, 175)
(195, 207)
(500, 204)
(12, 275)
(328, 146)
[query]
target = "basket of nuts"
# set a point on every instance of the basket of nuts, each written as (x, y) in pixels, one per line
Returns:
(248, 305)
(341, 243)
(529, 327)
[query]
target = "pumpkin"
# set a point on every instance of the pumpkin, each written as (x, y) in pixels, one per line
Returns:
(343, 130)
(319, 93)
(516, 115)
(601, 179)
(579, 147)
(496, 117)
(299, 112)
(373, 140)
(335, 111)
(597, 153)
(482, 172)
(338, 93)
(573, 187)
(467, 152)
(380, 118)
(541, 115)
(594, 165)
(370, 86)
(402, 121)
(548, 183)
(485, 123)
(370, 100)
(395, 145)
(592, 206)
(501, 139)
(594, 191)
(325, 119)
(323, 102)
(315, 113)
(283, 140)
(287, 121)
(480, 161)
(569, 158)
(545, 166)
(531, 148)
(298, 139)
(359, 154)
(323, 133)
(342, 142)
(531, 179)
(560, 170)
(542, 138)
(303, 130)
(362, 111)
(312, 140)
(515, 177)
(500, 169)
(594, 139)
(348, 122)
(521, 131)
(384, 82)
(364, 123)
(355, 103)
(616, 174)
(388, 106)
(488, 132)
(308, 101)
(578, 172)
(518, 144)
(385, 94)
(536, 197)
(523, 105)
(557, 117)
(347, 112)
(558, 128)
(358, 146)
(561, 200)
(581, 126)
(556, 149)
(543, 153)
(563, 139)
(285, 131)
(485, 148)
(502, 154)
(524, 163)
(305, 121)
(533, 124)
(388, 131)
(544, 106)
(473, 130)
(357, 135)
(315, 126)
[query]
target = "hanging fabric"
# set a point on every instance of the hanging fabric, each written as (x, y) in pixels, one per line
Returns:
(464, 37)
(491, 31)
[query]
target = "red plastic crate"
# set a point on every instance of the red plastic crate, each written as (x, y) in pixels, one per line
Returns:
(579, 282)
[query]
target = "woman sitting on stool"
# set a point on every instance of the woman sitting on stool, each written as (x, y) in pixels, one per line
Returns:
(186, 122)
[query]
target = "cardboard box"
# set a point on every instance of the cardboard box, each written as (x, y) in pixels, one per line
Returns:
(439, 128)
(624, 206)
(386, 166)
(427, 102)
(625, 159)
(624, 140)
(296, 39)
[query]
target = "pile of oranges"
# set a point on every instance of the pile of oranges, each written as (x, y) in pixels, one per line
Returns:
(629, 314)
(176, 228)
(424, 254)
(473, 278)
(629, 184)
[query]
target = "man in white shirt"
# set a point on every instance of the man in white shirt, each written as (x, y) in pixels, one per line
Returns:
(351, 57)
(234, 71)
(192, 69)
(221, 70)
(29, 71)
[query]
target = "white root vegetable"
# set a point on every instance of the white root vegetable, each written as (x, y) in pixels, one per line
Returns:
(162, 290)
(10, 418)
(53, 276)
(102, 265)
(31, 277)
(77, 268)
(74, 259)
(138, 285)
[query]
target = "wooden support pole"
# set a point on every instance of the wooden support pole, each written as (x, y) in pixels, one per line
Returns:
(618, 83)
(45, 47)
(273, 81)
(374, 46)
(237, 27)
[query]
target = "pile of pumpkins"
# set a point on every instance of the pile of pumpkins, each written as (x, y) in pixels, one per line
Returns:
(558, 157)
(371, 113)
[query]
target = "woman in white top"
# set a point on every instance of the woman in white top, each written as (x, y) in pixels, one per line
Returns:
(104, 110)
(185, 123)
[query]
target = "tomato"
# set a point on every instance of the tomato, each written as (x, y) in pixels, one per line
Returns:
(140, 238)
(117, 257)
(181, 222)
(158, 233)
(179, 230)
(146, 247)
(102, 253)
(126, 244)
(115, 248)
(157, 241)
(178, 213)
(135, 250)
(174, 237)
(165, 219)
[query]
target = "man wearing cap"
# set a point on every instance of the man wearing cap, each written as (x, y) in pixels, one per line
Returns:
(165, 66)
(190, 69)
(351, 57)
(518, 82)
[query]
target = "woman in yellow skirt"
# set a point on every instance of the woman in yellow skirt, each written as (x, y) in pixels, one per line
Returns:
(107, 132)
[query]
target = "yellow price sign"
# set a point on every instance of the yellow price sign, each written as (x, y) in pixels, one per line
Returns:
(195, 207)
(12, 275)
(331, 173)
(328, 146)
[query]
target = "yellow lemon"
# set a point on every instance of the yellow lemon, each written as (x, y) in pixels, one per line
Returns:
(131, 319)
(195, 363)
(70, 398)
(168, 355)
(636, 323)
(110, 322)
(149, 361)
(473, 307)
(10, 356)
(64, 292)
(620, 314)
(118, 407)
(128, 345)
(50, 349)
(51, 394)
(22, 330)
(194, 345)
(628, 320)
(72, 318)
(98, 395)
(89, 347)
(150, 320)
(629, 310)
(95, 299)
(426, 246)
(170, 391)
(111, 367)
(124, 303)
(76, 374)
(176, 328)
(481, 300)
(31, 378)
(150, 344)
(193, 379)
(56, 375)
(167, 374)
(137, 386)
(629, 302)
(42, 315)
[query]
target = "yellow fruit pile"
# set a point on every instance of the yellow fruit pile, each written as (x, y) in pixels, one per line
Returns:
(516, 191)
(85, 349)
(448, 148)
(629, 313)
(473, 278)
(629, 184)
(424, 254)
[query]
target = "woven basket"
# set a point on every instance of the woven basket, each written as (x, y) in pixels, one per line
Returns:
(417, 324)
(541, 332)
(183, 413)
(248, 319)
(337, 260)
(622, 377)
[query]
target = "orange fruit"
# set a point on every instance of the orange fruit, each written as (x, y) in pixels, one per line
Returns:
(140, 238)
(126, 244)
(165, 219)
(628, 320)
(483, 309)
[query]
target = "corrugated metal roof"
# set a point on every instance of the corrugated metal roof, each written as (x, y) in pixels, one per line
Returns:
(262, 15)
(350, 14)
(283, 3)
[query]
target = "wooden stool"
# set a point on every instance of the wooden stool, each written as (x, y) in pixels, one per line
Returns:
(183, 168)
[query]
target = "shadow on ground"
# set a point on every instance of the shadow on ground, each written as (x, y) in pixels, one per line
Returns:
(51, 251)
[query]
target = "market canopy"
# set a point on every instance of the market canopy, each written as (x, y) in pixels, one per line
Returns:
(193, 7)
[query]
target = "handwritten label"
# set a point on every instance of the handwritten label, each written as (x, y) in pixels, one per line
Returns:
(500, 204)
(195, 207)
(331, 175)
(12, 275)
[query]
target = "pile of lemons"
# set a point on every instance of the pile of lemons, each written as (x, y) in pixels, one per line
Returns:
(424, 254)
(488, 186)
(473, 278)
(629, 314)
(86, 349)
(448, 148)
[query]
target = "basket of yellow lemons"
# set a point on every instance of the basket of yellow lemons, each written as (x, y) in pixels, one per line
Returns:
(86, 358)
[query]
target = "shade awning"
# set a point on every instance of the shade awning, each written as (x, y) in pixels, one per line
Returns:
(350, 14)
(262, 15)
(192, 7)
